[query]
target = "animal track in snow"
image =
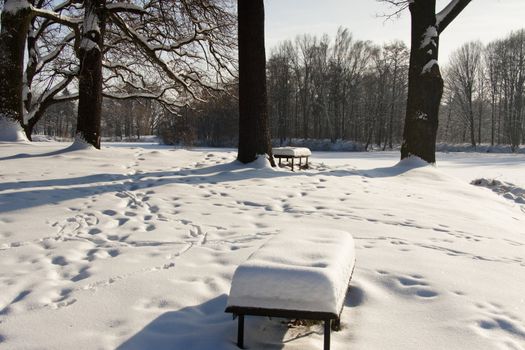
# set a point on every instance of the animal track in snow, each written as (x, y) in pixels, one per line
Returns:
(500, 324)
(408, 285)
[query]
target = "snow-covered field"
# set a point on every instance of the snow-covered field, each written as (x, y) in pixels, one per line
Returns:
(134, 247)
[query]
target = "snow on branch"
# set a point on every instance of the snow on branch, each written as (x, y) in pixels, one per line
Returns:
(56, 17)
(160, 96)
(12, 7)
(125, 7)
(449, 13)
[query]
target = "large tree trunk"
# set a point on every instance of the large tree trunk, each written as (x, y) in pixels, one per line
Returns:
(425, 85)
(254, 134)
(16, 17)
(90, 77)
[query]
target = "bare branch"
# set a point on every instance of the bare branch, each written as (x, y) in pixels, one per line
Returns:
(449, 13)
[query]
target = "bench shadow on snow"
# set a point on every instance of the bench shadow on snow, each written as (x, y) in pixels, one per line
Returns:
(207, 326)
(354, 297)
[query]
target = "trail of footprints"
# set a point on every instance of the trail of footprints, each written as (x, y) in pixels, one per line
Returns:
(137, 214)
(135, 211)
(91, 232)
(494, 321)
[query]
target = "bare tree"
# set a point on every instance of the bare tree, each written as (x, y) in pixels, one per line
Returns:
(173, 52)
(397, 57)
(494, 72)
(280, 89)
(425, 85)
(51, 66)
(17, 15)
(462, 78)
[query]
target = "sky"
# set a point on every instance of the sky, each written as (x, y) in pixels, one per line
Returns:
(483, 20)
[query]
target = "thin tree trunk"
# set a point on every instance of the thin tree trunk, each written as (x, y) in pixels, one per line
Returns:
(343, 113)
(500, 108)
(449, 117)
(480, 116)
(492, 119)
(472, 127)
(392, 107)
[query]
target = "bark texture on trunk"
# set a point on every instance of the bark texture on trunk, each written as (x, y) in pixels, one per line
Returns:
(425, 84)
(254, 132)
(15, 25)
(90, 77)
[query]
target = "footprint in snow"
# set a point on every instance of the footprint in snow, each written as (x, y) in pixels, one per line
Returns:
(59, 260)
(83, 273)
(411, 285)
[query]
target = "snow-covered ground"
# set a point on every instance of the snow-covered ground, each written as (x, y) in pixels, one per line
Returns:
(134, 247)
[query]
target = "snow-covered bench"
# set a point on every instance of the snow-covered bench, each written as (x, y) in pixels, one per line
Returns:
(301, 275)
(292, 153)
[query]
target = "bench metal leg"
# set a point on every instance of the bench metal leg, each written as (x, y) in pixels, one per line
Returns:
(240, 332)
(336, 324)
(327, 335)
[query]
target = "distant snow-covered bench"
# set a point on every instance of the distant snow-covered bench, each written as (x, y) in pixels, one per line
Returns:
(292, 153)
(302, 275)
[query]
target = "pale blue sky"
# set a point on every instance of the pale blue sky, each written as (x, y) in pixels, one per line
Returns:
(482, 19)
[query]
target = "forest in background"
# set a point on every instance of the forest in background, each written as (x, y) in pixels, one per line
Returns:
(338, 88)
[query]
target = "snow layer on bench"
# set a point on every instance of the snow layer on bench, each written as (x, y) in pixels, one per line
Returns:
(292, 151)
(301, 270)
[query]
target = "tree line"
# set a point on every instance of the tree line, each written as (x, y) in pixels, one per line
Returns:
(338, 89)
(485, 93)
(356, 90)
